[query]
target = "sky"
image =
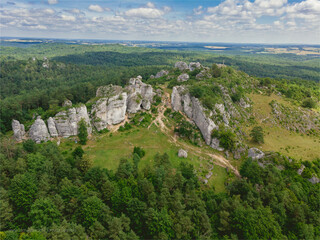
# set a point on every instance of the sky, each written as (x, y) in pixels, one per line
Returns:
(234, 21)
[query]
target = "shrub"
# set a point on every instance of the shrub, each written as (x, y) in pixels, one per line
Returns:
(226, 137)
(309, 103)
(127, 126)
(257, 134)
(139, 151)
(29, 146)
(83, 133)
(197, 91)
(78, 152)
(216, 71)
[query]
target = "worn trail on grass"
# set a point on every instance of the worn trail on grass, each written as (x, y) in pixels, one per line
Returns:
(159, 121)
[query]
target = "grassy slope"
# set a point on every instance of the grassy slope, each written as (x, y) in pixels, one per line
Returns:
(279, 139)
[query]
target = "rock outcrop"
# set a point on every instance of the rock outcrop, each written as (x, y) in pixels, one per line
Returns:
(67, 103)
(38, 131)
(52, 127)
(194, 65)
(161, 74)
(255, 153)
(67, 122)
(18, 130)
(181, 66)
(182, 153)
(205, 73)
(182, 101)
(183, 77)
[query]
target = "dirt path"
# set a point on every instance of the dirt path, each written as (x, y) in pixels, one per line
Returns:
(158, 121)
(114, 128)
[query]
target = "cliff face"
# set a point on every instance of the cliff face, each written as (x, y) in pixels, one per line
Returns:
(191, 106)
(38, 131)
(18, 130)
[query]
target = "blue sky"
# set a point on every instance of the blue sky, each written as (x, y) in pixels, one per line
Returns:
(242, 21)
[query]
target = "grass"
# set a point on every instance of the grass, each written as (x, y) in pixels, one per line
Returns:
(279, 139)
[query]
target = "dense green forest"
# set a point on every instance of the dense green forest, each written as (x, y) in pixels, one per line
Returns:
(49, 194)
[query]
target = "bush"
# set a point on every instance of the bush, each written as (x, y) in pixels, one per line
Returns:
(29, 146)
(83, 133)
(157, 100)
(197, 91)
(126, 127)
(78, 152)
(257, 135)
(139, 151)
(216, 71)
(309, 103)
(226, 137)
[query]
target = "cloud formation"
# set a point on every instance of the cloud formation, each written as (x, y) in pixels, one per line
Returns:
(96, 8)
(52, 2)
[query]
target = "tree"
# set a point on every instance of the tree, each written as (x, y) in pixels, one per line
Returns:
(139, 151)
(257, 134)
(216, 71)
(83, 133)
(78, 152)
(309, 103)
(44, 213)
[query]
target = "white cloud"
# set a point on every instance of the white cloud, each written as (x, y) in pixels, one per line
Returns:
(68, 18)
(96, 8)
(144, 13)
(150, 5)
(198, 10)
(51, 2)
(167, 9)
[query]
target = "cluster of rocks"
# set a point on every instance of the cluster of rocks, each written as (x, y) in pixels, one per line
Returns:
(111, 107)
(182, 153)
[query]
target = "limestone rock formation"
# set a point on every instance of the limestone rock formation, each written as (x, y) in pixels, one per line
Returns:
(181, 66)
(67, 122)
(255, 153)
(108, 91)
(161, 74)
(18, 130)
(139, 95)
(52, 127)
(243, 103)
(183, 77)
(67, 103)
(205, 73)
(182, 101)
(301, 169)
(182, 153)
(314, 180)
(194, 65)
(109, 111)
(38, 131)
(215, 144)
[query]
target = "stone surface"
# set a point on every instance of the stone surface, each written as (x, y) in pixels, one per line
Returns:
(52, 127)
(243, 104)
(255, 153)
(67, 103)
(314, 180)
(215, 144)
(183, 77)
(162, 73)
(194, 65)
(18, 130)
(205, 73)
(181, 66)
(182, 153)
(38, 131)
(300, 170)
(108, 91)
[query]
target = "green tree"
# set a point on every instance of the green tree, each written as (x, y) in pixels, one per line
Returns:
(309, 103)
(44, 213)
(83, 132)
(257, 134)
(216, 71)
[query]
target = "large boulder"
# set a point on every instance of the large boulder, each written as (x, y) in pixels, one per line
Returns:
(181, 66)
(255, 153)
(109, 111)
(182, 153)
(215, 144)
(183, 77)
(52, 127)
(161, 74)
(194, 65)
(18, 130)
(67, 103)
(38, 131)
(109, 91)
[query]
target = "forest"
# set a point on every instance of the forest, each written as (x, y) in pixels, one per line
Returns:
(49, 194)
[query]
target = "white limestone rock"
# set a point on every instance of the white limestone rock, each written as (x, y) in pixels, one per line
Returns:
(215, 144)
(52, 127)
(108, 91)
(38, 131)
(182, 153)
(183, 77)
(18, 130)
(181, 66)
(243, 104)
(67, 103)
(314, 180)
(301, 169)
(161, 74)
(194, 65)
(255, 153)
(205, 73)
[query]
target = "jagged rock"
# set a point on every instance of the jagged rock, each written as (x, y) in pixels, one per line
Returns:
(159, 92)
(300, 170)
(108, 91)
(238, 152)
(194, 65)
(182, 153)
(67, 103)
(203, 74)
(181, 101)
(151, 77)
(18, 130)
(255, 153)
(183, 77)
(109, 111)
(67, 122)
(161, 73)
(38, 131)
(181, 65)
(314, 180)
(225, 115)
(215, 144)
(209, 175)
(139, 95)
(52, 127)
(243, 104)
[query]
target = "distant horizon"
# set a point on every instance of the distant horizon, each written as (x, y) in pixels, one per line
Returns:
(160, 41)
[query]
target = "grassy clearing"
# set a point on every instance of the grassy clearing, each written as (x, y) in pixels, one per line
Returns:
(280, 139)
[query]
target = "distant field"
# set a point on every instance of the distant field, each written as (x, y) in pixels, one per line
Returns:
(279, 139)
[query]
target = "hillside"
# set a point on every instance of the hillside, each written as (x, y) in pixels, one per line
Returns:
(172, 153)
